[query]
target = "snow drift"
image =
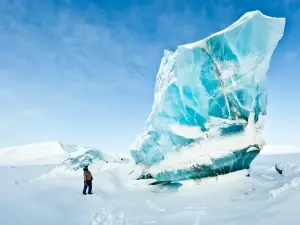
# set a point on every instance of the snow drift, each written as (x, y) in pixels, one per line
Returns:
(210, 103)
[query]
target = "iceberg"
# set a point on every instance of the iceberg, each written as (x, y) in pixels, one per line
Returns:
(210, 103)
(87, 157)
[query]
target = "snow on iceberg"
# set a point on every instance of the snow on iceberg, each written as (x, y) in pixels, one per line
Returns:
(210, 102)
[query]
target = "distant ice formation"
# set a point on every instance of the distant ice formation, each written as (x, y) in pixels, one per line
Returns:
(86, 157)
(210, 103)
(95, 159)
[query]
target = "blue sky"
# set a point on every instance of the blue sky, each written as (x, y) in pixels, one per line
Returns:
(83, 72)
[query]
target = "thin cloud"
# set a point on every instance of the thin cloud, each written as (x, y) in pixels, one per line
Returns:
(64, 64)
(291, 55)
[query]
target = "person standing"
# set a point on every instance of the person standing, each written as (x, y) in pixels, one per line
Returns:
(88, 178)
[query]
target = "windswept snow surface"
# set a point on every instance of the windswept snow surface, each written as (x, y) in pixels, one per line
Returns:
(36, 154)
(266, 197)
(54, 153)
(208, 91)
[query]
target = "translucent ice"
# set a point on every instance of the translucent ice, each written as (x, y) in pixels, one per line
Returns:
(86, 157)
(210, 101)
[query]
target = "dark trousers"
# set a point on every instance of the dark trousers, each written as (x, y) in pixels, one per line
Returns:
(87, 184)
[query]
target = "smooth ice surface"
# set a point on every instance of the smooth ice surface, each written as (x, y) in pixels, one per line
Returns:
(208, 90)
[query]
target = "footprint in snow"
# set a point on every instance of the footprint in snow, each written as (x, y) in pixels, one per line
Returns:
(106, 217)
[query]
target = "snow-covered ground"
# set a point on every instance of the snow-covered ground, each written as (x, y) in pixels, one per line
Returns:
(36, 154)
(264, 198)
